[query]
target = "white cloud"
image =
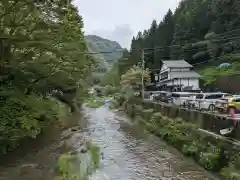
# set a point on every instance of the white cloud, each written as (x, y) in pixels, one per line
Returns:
(120, 20)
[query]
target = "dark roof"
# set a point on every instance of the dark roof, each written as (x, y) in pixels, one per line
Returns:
(183, 74)
(176, 63)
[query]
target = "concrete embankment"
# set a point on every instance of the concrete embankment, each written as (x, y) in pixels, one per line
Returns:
(189, 132)
(205, 120)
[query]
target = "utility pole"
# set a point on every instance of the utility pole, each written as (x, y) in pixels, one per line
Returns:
(142, 51)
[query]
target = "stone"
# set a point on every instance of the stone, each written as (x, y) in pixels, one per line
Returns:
(83, 150)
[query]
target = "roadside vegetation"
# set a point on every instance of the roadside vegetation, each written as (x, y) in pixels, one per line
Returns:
(211, 73)
(42, 67)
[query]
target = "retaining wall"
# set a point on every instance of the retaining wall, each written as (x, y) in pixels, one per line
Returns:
(214, 152)
(207, 121)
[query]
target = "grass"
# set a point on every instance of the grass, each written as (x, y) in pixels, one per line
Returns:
(211, 73)
(67, 166)
(80, 165)
(95, 153)
(94, 104)
(95, 101)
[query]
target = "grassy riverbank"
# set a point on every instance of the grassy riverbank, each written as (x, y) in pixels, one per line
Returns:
(79, 165)
(96, 101)
(210, 152)
(21, 121)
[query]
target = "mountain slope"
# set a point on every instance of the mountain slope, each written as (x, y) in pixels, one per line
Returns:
(112, 51)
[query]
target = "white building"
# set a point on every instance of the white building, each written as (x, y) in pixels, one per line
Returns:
(178, 72)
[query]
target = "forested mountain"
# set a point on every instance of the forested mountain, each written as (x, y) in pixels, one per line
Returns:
(203, 32)
(104, 60)
(42, 61)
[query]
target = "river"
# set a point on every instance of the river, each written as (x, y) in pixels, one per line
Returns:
(128, 152)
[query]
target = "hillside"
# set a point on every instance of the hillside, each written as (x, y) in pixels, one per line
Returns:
(203, 33)
(98, 44)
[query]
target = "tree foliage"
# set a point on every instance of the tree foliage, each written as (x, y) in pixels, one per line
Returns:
(42, 54)
(133, 78)
(199, 31)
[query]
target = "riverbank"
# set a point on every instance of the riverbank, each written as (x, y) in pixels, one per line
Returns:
(130, 152)
(43, 157)
(23, 122)
(211, 152)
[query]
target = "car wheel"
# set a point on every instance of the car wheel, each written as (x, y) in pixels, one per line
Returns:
(184, 104)
(211, 107)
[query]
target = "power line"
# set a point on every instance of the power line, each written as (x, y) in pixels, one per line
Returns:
(206, 49)
(213, 59)
(157, 47)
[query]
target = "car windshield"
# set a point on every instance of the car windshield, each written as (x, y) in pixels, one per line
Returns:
(199, 96)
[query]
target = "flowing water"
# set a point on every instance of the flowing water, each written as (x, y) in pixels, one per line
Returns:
(127, 152)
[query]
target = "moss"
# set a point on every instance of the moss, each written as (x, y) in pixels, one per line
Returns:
(94, 104)
(147, 113)
(95, 153)
(138, 109)
(74, 166)
(67, 166)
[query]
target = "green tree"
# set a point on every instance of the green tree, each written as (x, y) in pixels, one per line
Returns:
(43, 55)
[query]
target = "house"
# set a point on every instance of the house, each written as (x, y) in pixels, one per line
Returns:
(178, 73)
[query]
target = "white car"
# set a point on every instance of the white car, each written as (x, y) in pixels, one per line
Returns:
(206, 101)
(181, 98)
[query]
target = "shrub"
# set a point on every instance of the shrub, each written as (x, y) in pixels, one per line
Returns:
(119, 98)
(211, 158)
(109, 90)
(24, 116)
(232, 172)
(182, 135)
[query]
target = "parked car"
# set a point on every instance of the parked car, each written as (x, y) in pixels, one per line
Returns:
(153, 94)
(180, 98)
(163, 96)
(225, 105)
(206, 101)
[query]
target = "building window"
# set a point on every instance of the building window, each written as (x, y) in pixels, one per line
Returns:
(164, 76)
(156, 77)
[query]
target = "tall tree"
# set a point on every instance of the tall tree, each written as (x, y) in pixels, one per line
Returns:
(42, 56)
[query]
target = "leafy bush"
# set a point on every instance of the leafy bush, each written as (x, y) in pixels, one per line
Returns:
(232, 172)
(109, 90)
(44, 57)
(24, 116)
(182, 135)
(119, 98)
(210, 159)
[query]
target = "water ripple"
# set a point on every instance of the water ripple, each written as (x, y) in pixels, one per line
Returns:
(128, 153)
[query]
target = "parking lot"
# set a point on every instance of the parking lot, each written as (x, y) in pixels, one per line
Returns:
(219, 103)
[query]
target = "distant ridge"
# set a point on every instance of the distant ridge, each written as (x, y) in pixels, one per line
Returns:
(99, 44)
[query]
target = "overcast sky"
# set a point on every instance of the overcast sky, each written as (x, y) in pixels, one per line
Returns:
(120, 20)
